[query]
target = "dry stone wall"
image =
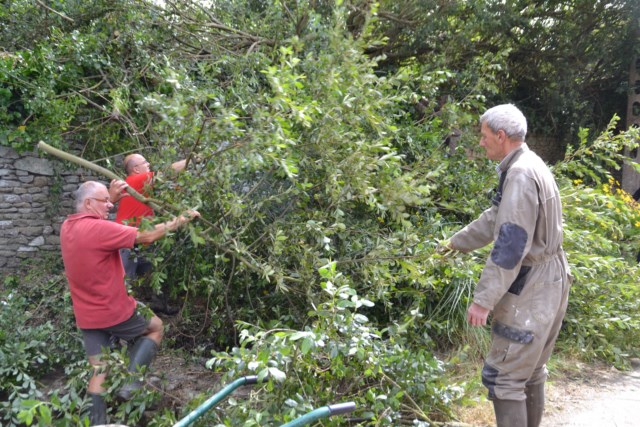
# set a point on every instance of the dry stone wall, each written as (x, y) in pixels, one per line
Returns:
(550, 149)
(36, 194)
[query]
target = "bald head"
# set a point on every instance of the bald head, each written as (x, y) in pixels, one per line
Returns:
(131, 161)
(135, 163)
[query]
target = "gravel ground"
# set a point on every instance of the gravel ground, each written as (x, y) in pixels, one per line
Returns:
(599, 398)
(579, 395)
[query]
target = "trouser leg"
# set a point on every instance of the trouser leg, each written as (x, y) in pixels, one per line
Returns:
(510, 413)
(141, 356)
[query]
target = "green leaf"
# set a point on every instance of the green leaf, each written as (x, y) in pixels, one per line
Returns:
(277, 374)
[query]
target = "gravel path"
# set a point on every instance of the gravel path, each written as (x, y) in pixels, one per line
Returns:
(601, 398)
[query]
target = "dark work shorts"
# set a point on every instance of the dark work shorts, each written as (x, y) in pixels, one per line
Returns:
(95, 339)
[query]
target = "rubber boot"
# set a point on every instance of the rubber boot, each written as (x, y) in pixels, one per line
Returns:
(98, 410)
(510, 413)
(141, 355)
(535, 404)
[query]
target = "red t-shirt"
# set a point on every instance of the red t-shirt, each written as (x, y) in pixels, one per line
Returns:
(130, 210)
(90, 250)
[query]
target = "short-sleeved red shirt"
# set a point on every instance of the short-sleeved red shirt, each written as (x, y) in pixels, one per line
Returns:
(129, 209)
(90, 250)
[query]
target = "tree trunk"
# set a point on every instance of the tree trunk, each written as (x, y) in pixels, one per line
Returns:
(630, 178)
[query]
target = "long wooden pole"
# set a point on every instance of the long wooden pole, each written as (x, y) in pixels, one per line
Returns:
(100, 170)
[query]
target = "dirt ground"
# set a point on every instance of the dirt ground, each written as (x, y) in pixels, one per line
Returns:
(181, 381)
(587, 396)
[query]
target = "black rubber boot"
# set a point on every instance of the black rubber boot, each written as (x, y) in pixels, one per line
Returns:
(510, 413)
(141, 355)
(535, 404)
(98, 410)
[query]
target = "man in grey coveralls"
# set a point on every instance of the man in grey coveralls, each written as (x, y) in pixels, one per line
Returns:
(526, 280)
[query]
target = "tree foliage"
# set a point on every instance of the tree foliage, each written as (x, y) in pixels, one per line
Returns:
(336, 146)
(565, 62)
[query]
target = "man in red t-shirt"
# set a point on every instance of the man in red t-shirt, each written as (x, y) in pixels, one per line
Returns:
(131, 212)
(90, 250)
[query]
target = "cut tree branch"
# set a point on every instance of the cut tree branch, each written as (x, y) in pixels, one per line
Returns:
(100, 170)
(60, 14)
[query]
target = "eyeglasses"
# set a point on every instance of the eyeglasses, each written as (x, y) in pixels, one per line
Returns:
(129, 166)
(105, 200)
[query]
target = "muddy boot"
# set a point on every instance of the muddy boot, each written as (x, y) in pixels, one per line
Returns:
(510, 413)
(141, 355)
(535, 404)
(98, 410)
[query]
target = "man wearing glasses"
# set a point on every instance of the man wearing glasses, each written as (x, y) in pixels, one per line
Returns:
(90, 246)
(140, 177)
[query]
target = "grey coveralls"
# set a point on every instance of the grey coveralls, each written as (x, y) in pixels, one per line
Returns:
(526, 279)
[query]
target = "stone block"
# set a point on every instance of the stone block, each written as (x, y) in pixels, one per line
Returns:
(41, 181)
(30, 231)
(8, 153)
(38, 241)
(34, 165)
(31, 222)
(11, 198)
(9, 232)
(53, 240)
(26, 252)
(7, 183)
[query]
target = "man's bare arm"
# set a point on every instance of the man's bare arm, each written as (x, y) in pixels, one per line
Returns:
(161, 230)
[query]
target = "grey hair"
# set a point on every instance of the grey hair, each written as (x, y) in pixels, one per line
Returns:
(508, 118)
(86, 190)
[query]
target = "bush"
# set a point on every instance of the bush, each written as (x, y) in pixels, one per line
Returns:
(338, 357)
(38, 338)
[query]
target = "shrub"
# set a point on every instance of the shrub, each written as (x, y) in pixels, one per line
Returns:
(339, 356)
